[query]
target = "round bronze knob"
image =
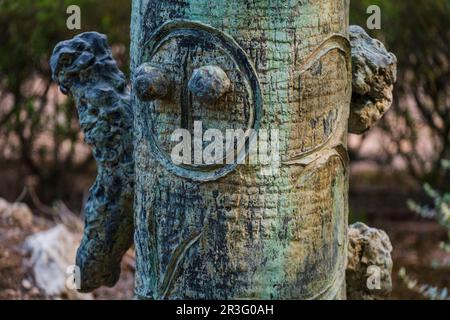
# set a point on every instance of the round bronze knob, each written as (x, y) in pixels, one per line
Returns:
(209, 83)
(151, 83)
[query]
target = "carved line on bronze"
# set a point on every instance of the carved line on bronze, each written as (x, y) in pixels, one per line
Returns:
(341, 43)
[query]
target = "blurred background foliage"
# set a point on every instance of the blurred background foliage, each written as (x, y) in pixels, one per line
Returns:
(39, 134)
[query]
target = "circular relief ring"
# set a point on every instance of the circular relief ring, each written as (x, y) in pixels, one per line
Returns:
(204, 34)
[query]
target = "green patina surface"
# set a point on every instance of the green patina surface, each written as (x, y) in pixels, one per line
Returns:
(260, 236)
(84, 68)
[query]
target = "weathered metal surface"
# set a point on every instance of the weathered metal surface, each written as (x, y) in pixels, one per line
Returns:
(207, 232)
(84, 68)
(222, 230)
(369, 264)
(182, 48)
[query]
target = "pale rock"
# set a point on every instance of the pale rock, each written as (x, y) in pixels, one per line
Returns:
(374, 75)
(51, 253)
(4, 205)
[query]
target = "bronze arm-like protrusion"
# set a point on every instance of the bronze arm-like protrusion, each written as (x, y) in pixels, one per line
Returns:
(374, 74)
(84, 68)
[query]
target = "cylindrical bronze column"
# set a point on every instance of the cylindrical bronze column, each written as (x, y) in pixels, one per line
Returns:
(238, 230)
